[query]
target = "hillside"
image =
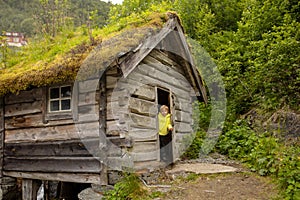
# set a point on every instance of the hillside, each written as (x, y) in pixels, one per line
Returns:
(24, 16)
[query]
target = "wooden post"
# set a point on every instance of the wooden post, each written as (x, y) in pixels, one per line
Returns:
(102, 131)
(1, 135)
(30, 188)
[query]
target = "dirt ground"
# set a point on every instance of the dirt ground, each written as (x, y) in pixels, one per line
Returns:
(194, 184)
(231, 186)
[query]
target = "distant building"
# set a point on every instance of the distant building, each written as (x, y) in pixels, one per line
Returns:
(15, 39)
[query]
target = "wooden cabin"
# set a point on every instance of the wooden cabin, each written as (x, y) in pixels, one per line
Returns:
(83, 128)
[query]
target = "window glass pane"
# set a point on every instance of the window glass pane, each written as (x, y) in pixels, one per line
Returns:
(66, 91)
(54, 105)
(66, 104)
(54, 93)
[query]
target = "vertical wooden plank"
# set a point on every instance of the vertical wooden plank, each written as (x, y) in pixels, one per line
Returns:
(30, 188)
(75, 100)
(1, 135)
(44, 104)
(102, 130)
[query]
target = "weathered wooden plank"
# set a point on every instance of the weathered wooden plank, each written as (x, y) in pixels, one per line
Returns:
(120, 163)
(142, 107)
(165, 59)
(55, 148)
(182, 116)
(156, 68)
(111, 82)
(114, 128)
(23, 108)
(88, 98)
(25, 96)
(121, 142)
(144, 147)
(88, 108)
(33, 120)
(162, 82)
(1, 114)
(52, 164)
(53, 133)
(66, 177)
(87, 86)
(183, 127)
(140, 121)
(113, 95)
(139, 134)
(30, 188)
(140, 89)
(144, 156)
(165, 74)
(115, 112)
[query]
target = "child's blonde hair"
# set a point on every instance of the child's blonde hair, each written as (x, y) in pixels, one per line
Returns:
(164, 107)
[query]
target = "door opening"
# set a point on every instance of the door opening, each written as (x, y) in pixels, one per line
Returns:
(165, 141)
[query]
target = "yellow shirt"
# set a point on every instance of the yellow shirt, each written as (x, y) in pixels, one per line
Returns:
(164, 124)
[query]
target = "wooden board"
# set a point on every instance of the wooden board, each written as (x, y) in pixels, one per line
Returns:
(140, 121)
(54, 148)
(23, 108)
(26, 96)
(66, 177)
(53, 133)
(140, 134)
(142, 107)
(144, 156)
(52, 164)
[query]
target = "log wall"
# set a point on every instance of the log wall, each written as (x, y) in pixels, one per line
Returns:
(132, 105)
(52, 146)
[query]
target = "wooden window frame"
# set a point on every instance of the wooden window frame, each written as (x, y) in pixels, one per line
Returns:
(59, 99)
(61, 114)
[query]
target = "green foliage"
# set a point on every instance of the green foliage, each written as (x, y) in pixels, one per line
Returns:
(265, 154)
(129, 7)
(193, 150)
(30, 17)
(127, 188)
(238, 142)
(289, 172)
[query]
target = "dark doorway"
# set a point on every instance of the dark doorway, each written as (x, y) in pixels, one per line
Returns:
(165, 142)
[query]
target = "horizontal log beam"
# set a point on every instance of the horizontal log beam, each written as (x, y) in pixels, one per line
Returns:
(66, 177)
(53, 164)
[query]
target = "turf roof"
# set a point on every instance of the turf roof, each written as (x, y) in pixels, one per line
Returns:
(64, 66)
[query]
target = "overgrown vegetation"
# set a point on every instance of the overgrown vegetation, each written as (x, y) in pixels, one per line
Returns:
(129, 187)
(32, 17)
(263, 153)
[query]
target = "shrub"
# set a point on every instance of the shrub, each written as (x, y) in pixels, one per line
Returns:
(129, 187)
(264, 154)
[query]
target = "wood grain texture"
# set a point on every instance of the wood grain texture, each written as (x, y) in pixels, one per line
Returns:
(67, 177)
(52, 164)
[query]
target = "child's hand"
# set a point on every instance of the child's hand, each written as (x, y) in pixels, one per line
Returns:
(171, 129)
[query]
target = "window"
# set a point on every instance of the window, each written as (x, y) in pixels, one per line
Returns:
(59, 99)
(16, 40)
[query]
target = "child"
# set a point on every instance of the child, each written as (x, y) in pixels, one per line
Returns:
(165, 126)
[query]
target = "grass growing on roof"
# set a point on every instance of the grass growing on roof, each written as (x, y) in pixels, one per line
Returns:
(54, 60)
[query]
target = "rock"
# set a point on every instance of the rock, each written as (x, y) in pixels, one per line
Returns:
(89, 194)
(200, 168)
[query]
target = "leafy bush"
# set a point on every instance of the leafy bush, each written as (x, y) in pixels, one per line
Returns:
(193, 151)
(238, 142)
(264, 154)
(127, 188)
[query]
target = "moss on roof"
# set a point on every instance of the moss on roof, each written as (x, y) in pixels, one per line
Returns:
(63, 66)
